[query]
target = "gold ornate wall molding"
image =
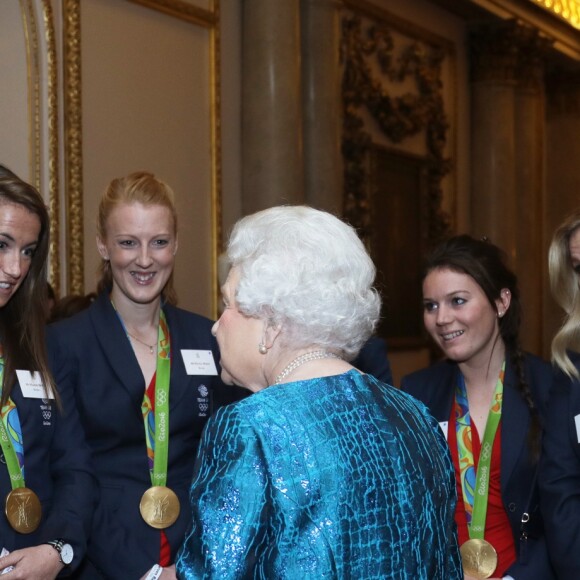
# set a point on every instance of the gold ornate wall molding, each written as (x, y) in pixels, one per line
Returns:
(73, 146)
(184, 11)
(53, 149)
(30, 26)
(419, 111)
(39, 33)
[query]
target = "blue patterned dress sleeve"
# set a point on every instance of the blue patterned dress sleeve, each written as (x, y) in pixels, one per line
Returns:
(228, 498)
(340, 477)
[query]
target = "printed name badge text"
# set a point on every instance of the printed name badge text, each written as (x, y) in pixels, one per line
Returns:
(32, 386)
(199, 362)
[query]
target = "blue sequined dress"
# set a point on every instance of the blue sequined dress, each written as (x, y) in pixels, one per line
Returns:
(337, 477)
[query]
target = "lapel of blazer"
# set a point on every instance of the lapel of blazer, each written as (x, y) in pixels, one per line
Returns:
(117, 348)
(515, 419)
(441, 393)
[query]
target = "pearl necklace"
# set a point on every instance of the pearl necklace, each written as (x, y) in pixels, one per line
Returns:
(302, 359)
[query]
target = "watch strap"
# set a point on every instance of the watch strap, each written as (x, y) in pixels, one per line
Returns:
(58, 545)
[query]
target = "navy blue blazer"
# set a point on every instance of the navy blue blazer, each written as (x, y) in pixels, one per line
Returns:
(57, 467)
(560, 474)
(92, 355)
(372, 360)
(435, 386)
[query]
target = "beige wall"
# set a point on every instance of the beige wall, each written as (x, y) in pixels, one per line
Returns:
(15, 145)
(146, 90)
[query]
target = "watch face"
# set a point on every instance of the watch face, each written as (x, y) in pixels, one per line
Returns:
(66, 554)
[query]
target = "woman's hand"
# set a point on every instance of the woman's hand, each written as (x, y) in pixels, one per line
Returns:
(168, 573)
(36, 563)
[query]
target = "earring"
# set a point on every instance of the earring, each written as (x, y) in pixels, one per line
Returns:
(262, 349)
(500, 314)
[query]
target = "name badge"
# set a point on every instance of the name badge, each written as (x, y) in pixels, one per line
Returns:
(32, 386)
(577, 421)
(199, 362)
(444, 427)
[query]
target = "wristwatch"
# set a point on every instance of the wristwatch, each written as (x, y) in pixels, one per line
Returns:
(64, 550)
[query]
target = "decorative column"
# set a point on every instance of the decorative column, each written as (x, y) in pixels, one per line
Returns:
(530, 260)
(272, 167)
(322, 104)
(493, 183)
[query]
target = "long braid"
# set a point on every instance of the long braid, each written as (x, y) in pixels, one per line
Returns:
(486, 264)
(517, 359)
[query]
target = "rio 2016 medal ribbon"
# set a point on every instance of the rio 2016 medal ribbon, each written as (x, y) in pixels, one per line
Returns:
(22, 506)
(159, 507)
(478, 555)
(23, 510)
(479, 558)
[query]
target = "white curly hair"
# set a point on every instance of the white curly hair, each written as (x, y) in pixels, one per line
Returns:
(309, 272)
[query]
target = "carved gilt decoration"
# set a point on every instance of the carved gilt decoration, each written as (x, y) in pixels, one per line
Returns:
(365, 44)
(53, 153)
(73, 146)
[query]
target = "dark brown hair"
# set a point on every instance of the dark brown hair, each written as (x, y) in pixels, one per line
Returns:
(22, 319)
(487, 265)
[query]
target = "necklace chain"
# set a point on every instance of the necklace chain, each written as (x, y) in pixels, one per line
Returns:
(149, 346)
(302, 359)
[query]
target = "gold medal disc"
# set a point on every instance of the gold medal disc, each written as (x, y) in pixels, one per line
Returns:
(159, 507)
(479, 558)
(23, 510)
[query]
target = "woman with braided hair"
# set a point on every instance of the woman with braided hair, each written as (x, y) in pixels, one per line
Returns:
(489, 398)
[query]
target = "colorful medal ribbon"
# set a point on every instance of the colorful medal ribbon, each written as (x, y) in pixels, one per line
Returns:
(475, 486)
(11, 438)
(155, 408)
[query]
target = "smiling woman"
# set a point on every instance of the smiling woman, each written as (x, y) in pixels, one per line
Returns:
(141, 368)
(46, 480)
(486, 394)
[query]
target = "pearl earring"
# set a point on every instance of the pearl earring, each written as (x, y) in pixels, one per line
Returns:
(262, 349)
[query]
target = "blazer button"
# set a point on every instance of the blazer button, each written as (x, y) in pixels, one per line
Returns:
(512, 507)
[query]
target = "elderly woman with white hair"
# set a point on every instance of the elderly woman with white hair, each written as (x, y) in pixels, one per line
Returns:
(323, 472)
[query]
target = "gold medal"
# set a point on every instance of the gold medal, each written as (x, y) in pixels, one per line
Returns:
(479, 558)
(159, 507)
(23, 510)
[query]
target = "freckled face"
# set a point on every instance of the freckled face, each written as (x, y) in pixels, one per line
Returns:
(140, 244)
(238, 337)
(19, 233)
(458, 316)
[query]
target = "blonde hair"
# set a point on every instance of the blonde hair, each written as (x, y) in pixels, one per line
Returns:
(564, 284)
(139, 187)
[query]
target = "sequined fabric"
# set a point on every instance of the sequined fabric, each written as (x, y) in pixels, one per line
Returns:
(338, 477)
